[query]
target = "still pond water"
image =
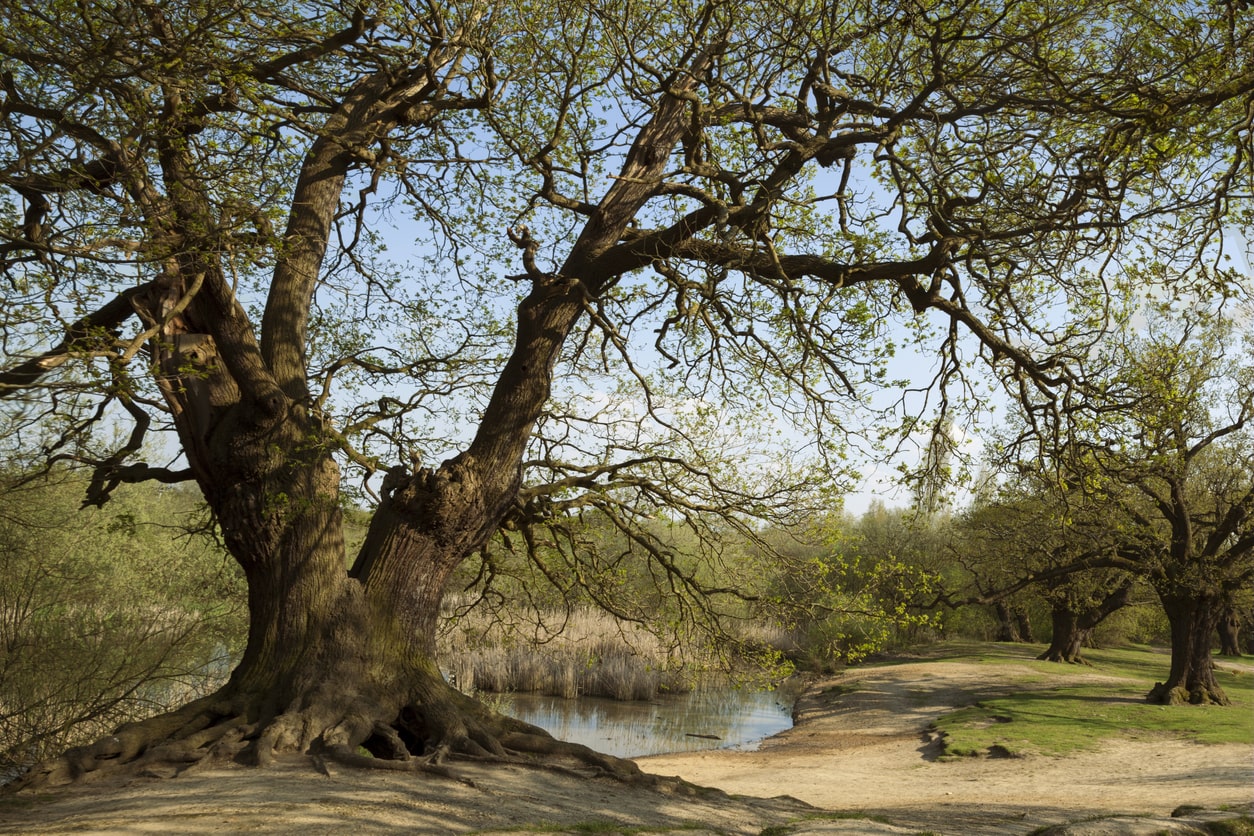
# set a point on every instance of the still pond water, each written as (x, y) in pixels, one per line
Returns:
(702, 719)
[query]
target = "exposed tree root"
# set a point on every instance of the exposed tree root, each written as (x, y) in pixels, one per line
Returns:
(1164, 694)
(547, 746)
(426, 737)
(343, 755)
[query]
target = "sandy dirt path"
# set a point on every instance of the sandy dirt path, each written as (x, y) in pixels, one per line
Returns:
(860, 744)
(863, 750)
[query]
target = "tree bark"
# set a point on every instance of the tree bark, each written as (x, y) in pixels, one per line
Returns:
(1229, 629)
(1007, 627)
(1193, 620)
(1013, 623)
(1024, 622)
(1072, 629)
(1068, 637)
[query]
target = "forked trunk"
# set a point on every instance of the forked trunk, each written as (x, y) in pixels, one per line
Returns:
(1068, 639)
(338, 662)
(1007, 630)
(1013, 623)
(341, 659)
(1024, 622)
(1074, 629)
(1192, 676)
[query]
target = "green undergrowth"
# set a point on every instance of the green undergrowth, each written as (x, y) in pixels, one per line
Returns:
(1044, 708)
(1242, 826)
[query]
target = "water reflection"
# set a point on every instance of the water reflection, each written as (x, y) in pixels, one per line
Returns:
(705, 719)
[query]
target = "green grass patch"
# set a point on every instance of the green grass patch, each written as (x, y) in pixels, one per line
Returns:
(966, 650)
(1243, 826)
(1088, 705)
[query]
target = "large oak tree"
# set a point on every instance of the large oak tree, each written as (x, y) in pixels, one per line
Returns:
(722, 205)
(1052, 544)
(1173, 463)
(1155, 478)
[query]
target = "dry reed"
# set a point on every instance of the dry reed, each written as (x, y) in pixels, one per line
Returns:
(594, 655)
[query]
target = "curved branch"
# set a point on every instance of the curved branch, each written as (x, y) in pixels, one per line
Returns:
(376, 105)
(106, 319)
(269, 70)
(550, 311)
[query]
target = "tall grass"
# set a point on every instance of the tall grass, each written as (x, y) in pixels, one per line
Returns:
(593, 655)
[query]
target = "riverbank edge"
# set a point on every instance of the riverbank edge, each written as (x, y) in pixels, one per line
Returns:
(292, 798)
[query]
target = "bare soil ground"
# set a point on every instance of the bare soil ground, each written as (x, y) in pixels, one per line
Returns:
(864, 754)
(864, 747)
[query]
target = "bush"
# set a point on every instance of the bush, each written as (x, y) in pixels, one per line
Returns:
(1140, 624)
(106, 615)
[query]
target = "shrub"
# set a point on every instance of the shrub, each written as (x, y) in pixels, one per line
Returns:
(106, 615)
(1142, 624)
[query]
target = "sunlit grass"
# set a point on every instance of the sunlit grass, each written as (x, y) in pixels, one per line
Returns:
(1051, 709)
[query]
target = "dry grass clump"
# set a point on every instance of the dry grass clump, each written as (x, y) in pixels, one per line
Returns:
(621, 677)
(594, 655)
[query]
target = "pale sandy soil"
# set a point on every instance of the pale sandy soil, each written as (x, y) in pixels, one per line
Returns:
(860, 753)
(868, 750)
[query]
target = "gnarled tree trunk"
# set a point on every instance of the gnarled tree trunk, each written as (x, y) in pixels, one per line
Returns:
(1229, 629)
(1013, 623)
(1192, 677)
(1073, 630)
(339, 659)
(1068, 636)
(1024, 622)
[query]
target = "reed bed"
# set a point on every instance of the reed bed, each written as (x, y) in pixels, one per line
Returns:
(594, 655)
